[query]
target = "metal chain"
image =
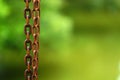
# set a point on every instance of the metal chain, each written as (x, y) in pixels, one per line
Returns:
(35, 33)
(28, 43)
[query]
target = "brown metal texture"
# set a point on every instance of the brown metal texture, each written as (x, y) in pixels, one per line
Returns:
(28, 43)
(35, 33)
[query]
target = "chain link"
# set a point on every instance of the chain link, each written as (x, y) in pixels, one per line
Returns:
(32, 74)
(28, 43)
(35, 33)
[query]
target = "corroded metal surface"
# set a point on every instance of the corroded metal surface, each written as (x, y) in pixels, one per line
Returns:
(31, 73)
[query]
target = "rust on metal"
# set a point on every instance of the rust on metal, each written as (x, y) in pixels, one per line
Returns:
(28, 43)
(31, 72)
(35, 33)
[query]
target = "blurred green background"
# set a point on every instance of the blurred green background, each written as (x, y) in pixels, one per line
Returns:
(80, 40)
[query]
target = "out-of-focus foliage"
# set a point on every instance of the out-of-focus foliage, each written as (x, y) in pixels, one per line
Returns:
(55, 27)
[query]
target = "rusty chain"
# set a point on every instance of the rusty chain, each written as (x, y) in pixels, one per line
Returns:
(35, 33)
(32, 74)
(28, 43)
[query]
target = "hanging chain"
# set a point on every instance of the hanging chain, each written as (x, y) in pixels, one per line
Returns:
(32, 74)
(28, 43)
(35, 33)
